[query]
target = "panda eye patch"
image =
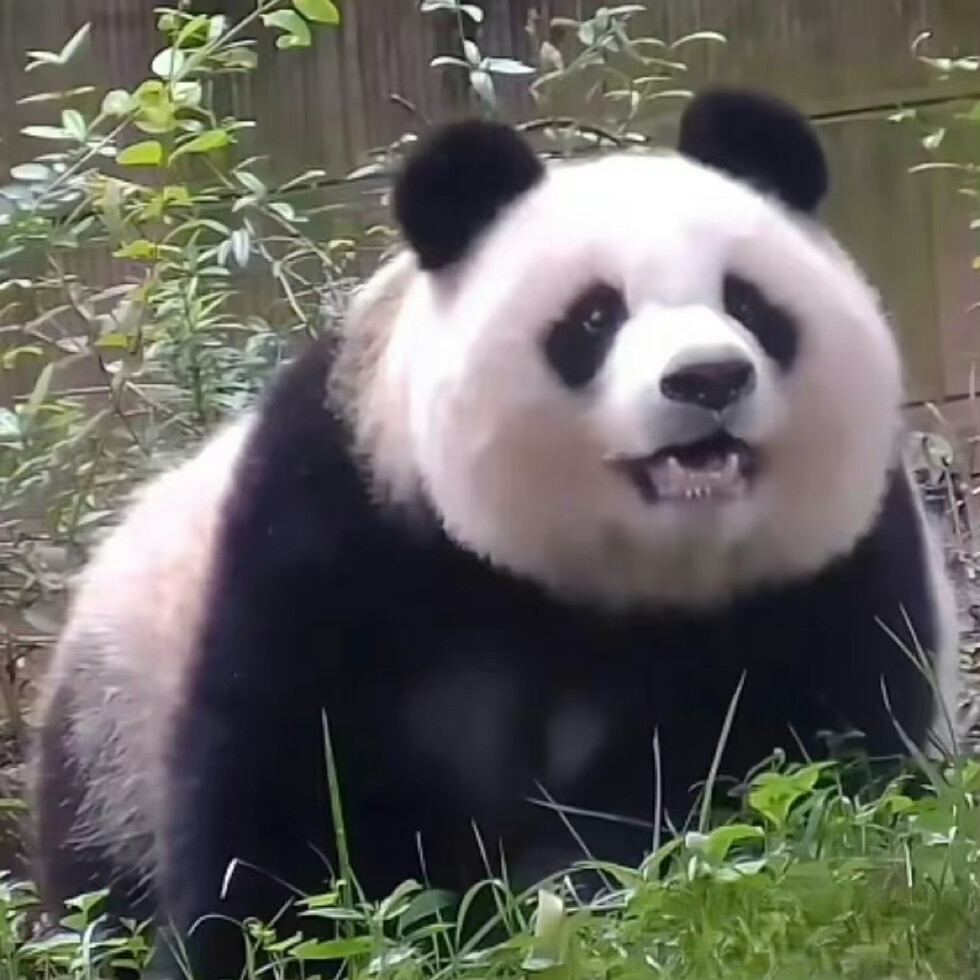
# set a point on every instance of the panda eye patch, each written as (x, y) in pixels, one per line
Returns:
(773, 328)
(577, 344)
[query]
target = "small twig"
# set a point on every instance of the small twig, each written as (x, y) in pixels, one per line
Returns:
(99, 359)
(409, 107)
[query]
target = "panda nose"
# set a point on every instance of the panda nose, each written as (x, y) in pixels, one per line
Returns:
(710, 384)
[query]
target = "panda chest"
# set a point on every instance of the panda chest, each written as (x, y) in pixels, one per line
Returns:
(498, 713)
(486, 730)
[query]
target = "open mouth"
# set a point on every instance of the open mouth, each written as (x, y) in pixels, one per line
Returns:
(718, 469)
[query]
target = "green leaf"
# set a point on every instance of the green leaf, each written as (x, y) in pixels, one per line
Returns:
(773, 794)
(240, 245)
(241, 58)
(148, 153)
(74, 43)
(64, 55)
(70, 93)
(939, 165)
(699, 36)
(625, 10)
(73, 123)
(550, 56)
(716, 845)
(454, 6)
(188, 93)
(9, 426)
(30, 172)
(216, 26)
(116, 102)
(550, 934)
(251, 182)
(447, 59)
(398, 901)
(483, 84)
(213, 139)
(297, 30)
(168, 63)
(507, 66)
(112, 341)
(196, 25)
(151, 93)
(40, 392)
(45, 132)
(285, 41)
(284, 209)
(11, 356)
(321, 11)
(141, 251)
(41, 58)
(332, 948)
(308, 176)
(423, 906)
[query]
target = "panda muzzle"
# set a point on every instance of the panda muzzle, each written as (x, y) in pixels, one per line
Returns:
(719, 469)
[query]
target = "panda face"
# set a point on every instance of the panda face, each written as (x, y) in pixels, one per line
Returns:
(645, 382)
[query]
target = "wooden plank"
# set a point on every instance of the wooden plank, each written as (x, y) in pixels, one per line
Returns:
(326, 107)
(885, 218)
(955, 245)
(833, 55)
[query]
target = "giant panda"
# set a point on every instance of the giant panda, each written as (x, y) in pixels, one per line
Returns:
(609, 441)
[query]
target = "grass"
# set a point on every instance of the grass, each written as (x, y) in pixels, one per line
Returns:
(810, 879)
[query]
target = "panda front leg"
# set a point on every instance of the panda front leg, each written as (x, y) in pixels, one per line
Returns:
(71, 854)
(244, 832)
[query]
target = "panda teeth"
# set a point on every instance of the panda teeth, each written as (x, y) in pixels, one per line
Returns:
(674, 481)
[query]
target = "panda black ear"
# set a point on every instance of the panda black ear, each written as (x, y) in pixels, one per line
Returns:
(455, 183)
(759, 139)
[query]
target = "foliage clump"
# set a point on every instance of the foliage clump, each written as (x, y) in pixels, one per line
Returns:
(809, 879)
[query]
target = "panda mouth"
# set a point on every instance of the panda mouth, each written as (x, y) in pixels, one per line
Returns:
(718, 469)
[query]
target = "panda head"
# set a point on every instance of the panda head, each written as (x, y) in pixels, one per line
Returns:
(645, 379)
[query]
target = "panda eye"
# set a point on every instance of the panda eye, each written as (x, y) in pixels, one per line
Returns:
(773, 328)
(577, 344)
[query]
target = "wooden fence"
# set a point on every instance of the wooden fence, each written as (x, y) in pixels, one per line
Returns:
(847, 61)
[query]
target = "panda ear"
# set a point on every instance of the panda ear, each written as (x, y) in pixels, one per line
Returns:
(455, 183)
(760, 140)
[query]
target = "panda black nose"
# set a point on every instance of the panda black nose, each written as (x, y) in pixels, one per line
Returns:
(710, 384)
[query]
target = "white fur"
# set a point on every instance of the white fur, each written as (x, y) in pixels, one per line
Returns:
(124, 650)
(466, 410)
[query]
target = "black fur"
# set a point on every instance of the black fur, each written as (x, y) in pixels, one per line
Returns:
(579, 341)
(776, 331)
(324, 604)
(759, 139)
(455, 183)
